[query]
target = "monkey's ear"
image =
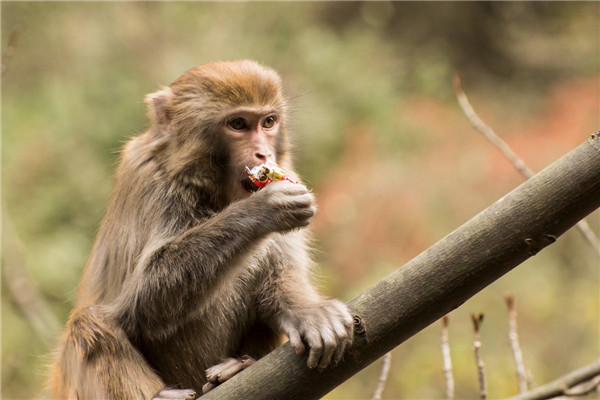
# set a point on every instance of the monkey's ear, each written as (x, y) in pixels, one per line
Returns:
(159, 106)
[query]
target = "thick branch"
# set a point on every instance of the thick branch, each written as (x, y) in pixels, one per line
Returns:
(562, 385)
(440, 279)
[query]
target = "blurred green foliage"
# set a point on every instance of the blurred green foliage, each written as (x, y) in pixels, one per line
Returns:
(378, 136)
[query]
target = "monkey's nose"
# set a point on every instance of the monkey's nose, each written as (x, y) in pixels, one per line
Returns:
(262, 157)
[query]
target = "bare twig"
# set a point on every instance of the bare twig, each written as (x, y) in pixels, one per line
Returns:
(22, 290)
(505, 149)
(513, 338)
(529, 377)
(576, 383)
(477, 321)
(447, 360)
(9, 50)
(585, 388)
(385, 370)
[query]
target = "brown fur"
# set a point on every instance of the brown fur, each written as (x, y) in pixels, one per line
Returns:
(186, 270)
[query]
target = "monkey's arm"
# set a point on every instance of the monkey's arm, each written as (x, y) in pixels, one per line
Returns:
(290, 304)
(174, 274)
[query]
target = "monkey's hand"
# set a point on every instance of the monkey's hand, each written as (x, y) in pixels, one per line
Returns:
(326, 327)
(284, 206)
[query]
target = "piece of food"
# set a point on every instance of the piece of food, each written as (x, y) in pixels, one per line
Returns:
(261, 175)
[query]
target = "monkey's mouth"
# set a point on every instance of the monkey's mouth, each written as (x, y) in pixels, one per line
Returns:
(249, 186)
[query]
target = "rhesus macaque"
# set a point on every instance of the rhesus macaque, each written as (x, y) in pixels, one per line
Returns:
(193, 276)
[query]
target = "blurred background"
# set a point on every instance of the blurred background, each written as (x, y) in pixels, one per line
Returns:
(379, 137)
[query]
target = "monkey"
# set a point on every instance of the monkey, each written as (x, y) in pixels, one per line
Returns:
(194, 274)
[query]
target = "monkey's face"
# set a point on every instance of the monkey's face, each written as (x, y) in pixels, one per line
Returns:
(223, 117)
(251, 135)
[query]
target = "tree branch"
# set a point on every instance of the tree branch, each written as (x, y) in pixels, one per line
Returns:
(385, 370)
(22, 290)
(440, 279)
(477, 321)
(562, 385)
(9, 50)
(447, 359)
(512, 157)
(515, 346)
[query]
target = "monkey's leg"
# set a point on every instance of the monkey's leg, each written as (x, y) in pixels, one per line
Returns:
(220, 373)
(97, 361)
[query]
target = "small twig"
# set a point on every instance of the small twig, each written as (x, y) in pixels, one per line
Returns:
(9, 50)
(577, 380)
(513, 338)
(505, 149)
(585, 388)
(529, 377)
(488, 132)
(477, 321)
(385, 370)
(447, 359)
(22, 290)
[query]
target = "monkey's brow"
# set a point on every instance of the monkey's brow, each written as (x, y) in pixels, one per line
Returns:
(254, 111)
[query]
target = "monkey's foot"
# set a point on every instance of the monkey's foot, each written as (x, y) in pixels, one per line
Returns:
(175, 394)
(220, 373)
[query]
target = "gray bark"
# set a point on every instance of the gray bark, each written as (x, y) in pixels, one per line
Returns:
(440, 279)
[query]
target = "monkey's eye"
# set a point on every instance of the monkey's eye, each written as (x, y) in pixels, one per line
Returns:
(238, 124)
(269, 122)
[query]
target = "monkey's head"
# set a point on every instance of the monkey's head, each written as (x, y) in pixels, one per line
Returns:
(215, 120)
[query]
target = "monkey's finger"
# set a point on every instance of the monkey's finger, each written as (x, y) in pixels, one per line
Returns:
(349, 331)
(316, 349)
(329, 346)
(247, 361)
(305, 199)
(232, 368)
(213, 374)
(303, 216)
(174, 398)
(289, 202)
(340, 327)
(296, 342)
(286, 187)
(208, 387)
(229, 372)
(342, 337)
(176, 394)
(346, 317)
(345, 342)
(292, 186)
(339, 351)
(342, 311)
